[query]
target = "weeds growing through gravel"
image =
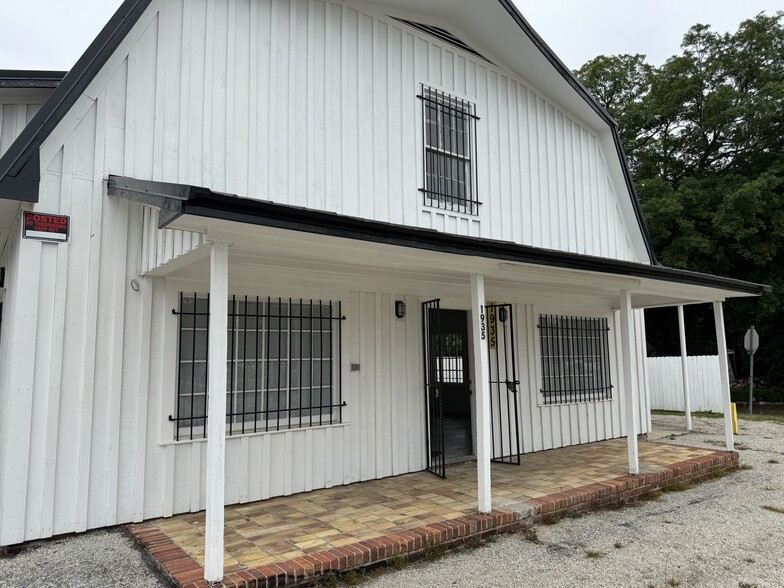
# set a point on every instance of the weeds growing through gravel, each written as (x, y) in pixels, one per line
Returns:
(773, 461)
(673, 582)
(746, 585)
(352, 578)
(745, 466)
(676, 487)
(575, 515)
(777, 509)
(398, 562)
(618, 545)
(529, 534)
(433, 552)
(593, 554)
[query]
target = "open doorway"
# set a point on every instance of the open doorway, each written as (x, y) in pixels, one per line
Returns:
(447, 387)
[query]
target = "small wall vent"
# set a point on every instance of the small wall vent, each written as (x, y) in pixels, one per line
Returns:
(442, 34)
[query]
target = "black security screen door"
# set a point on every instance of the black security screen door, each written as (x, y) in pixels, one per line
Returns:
(436, 456)
(504, 410)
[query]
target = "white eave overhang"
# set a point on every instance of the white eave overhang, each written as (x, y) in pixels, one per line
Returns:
(269, 225)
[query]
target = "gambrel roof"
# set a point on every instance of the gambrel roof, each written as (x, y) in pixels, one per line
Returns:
(20, 166)
(492, 24)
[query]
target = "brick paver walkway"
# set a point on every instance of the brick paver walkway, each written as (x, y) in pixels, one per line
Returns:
(285, 528)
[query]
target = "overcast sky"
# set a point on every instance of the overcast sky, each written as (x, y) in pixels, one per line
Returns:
(52, 34)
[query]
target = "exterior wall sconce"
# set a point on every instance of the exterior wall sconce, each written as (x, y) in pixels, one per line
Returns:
(502, 314)
(400, 308)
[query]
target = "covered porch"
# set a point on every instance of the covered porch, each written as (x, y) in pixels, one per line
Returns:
(292, 539)
(204, 242)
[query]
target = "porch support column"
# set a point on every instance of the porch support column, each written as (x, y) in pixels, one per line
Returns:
(629, 383)
(724, 372)
(482, 390)
(684, 367)
(216, 411)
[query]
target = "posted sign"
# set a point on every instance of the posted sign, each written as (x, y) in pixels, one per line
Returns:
(45, 227)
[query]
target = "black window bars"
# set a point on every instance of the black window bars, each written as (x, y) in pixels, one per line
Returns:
(575, 356)
(283, 365)
(449, 152)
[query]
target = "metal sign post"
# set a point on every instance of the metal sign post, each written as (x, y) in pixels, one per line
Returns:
(751, 342)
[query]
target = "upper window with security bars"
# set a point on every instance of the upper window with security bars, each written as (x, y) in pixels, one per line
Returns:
(449, 152)
(575, 359)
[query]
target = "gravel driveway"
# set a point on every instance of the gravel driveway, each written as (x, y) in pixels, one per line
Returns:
(713, 535)
(100, 558)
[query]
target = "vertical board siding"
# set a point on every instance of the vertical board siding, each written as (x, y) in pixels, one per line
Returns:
(665, 379)
(15, 113)
(549, 427)
(160, 246)
(338, 125)
(309, 103)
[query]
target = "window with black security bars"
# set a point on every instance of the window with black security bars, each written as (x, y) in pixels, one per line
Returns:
(282, 365)
(450, 181)
(575, 359)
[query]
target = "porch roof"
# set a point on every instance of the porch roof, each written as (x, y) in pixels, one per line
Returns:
(227, 217)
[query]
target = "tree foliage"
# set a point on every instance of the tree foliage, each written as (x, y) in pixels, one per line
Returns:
(704, 134)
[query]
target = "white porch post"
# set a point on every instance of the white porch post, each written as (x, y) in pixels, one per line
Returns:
(721, 341)
(482, 390)
(684, 367)
(629, 383)
(216, 411)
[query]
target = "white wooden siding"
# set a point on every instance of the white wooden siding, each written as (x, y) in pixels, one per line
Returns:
(665, 381)
(84, 434)
(560, 425)
(17, 108)
(160, 246)
(313, 103)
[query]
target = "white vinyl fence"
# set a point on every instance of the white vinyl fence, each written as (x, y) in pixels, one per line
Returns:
(665, 383)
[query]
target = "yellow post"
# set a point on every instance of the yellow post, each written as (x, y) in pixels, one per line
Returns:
(734, 419)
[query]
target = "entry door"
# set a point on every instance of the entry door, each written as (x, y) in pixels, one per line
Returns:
(431, 330)
(504, 385)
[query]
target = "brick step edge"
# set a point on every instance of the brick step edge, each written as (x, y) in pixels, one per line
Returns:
(625, 488)
(412, 544)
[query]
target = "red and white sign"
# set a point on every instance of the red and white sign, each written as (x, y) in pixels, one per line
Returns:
(45, 227)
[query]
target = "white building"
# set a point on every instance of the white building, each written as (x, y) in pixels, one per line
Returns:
(388, 167)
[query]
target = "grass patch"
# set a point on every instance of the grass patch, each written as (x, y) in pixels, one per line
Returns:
(330, 582)
(529, 534)
(593, 553)
(434, 552)
(651, 496)
(353, 578)
(773, 461)
(677, 487)
(771, 418)
(673, 582)
(777, 509)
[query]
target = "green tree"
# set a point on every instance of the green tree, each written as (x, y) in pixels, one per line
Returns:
(705, 137)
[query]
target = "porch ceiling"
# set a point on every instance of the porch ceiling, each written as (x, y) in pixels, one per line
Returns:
(316, 254)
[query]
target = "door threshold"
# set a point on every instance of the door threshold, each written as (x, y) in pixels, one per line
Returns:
(459, 460)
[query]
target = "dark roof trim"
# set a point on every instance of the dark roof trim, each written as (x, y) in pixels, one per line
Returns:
(572, 80)
(177, 200)
(26, 78)
(18, 179)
